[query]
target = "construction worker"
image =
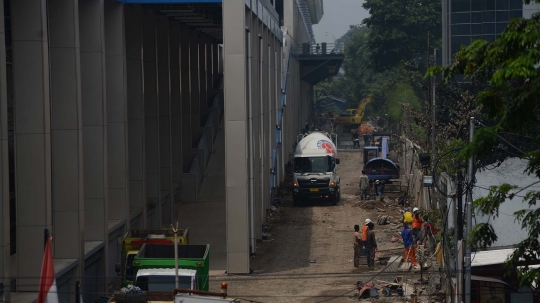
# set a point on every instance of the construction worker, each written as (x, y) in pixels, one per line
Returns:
(364, 232)
(371, 246)
(357, 239)
(364, 185)
(410, 250)
(407, 217)
(417, 225)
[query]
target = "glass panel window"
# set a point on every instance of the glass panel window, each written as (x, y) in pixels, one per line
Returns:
(461, 29)
(501, 27)
(488, 28)
(488, 16)
(457, 41)
(473, 38)
(489, 5)
(476, 5)
(515, 14)
(502, 4)
(502, 16)
(476, 29)
(476, 17)
(489, 38)
(460, 5)
(516, 4)
(461, 18)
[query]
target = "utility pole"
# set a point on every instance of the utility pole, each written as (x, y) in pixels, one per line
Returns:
(428, 64)
(433, 151)
(467, 259)
(459, 205)
(175, 231)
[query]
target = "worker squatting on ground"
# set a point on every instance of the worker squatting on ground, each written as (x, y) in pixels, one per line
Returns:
(357, 241)
(410, 249)
(364, 185)
(364, 232)
(371, 246)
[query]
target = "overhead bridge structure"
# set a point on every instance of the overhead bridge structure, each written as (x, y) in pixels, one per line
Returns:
(135, 114)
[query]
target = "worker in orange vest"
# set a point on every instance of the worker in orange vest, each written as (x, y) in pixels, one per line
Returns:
(364, 232)
(417, 225)
(417, 231)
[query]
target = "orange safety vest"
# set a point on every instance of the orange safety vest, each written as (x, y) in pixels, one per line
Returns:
(417, 222)
(364, 232)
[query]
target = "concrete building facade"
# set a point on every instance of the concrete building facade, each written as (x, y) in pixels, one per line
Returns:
(135, 114)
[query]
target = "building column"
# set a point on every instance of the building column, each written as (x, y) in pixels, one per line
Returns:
(263, 126)
(136, 121)
(176, 108)
(215, 64)
(236, 166)
(254, 110)
(117, 120)
(203, 89)
(195, 87)
(185, 98)
(209, 72)
(117, 128)
(162, 53)
(5, 263)
(151, 113)
(94, 116)
(67, 134)
(32, 135)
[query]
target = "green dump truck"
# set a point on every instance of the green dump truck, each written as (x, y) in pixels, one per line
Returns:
(135, 238)
(196, 257)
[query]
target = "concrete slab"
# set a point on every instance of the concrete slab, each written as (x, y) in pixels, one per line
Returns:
(206, 218)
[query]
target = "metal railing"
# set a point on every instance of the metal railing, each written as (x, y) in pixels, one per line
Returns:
(322, 48)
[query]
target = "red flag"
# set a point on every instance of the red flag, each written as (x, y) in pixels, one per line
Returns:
(47, 292)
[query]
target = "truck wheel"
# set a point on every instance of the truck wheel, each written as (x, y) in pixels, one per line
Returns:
(334, 199)
(296, 201)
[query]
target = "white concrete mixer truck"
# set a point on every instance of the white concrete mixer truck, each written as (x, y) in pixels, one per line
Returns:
(315, 174)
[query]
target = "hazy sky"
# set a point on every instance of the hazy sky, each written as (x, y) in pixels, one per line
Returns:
(338, 15)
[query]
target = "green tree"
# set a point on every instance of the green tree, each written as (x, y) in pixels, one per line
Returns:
(507, 69)
(399, 30)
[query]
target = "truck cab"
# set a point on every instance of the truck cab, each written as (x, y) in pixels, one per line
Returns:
(315, 175)
(163, 279)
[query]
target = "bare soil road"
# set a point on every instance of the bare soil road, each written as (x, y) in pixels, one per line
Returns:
(308, 257)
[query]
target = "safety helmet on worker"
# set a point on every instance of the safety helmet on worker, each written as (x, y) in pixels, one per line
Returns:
(368, 221)
(415, 209)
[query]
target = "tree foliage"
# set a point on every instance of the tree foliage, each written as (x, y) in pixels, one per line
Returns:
(399, 30)
(507, 72)
(389, 88)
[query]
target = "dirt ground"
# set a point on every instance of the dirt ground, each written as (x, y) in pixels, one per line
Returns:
(309, 251)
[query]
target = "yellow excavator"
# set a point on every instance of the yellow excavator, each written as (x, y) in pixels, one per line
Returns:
(353, 117)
